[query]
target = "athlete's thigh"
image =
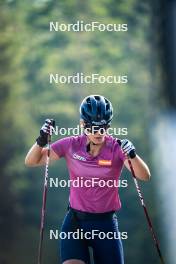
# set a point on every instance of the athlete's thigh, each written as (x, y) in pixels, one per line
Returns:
(108, 250)
(74, 250)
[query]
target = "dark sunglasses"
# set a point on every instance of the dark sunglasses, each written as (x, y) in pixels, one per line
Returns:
(94, 129)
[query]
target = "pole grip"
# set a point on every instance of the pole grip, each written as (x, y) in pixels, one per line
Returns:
(132, 152)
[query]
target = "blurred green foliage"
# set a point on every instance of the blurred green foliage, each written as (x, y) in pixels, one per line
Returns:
(28, 54)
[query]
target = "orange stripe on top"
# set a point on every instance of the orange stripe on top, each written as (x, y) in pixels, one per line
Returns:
(105, 162)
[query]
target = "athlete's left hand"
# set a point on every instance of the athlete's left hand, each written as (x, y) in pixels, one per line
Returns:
(128, 148)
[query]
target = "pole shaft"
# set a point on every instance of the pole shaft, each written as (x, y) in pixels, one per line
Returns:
(146, 212)
(43, 211)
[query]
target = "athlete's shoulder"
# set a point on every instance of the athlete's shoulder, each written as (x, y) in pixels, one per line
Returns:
(112, 143)
(63, 145)
(72, 140)
(78, 141)
(116, 147)
(112, 140)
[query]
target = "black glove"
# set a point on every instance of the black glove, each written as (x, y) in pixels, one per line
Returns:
(128, 148)
(45, 130)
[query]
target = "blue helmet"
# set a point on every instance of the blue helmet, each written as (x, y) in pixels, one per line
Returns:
(96, 110)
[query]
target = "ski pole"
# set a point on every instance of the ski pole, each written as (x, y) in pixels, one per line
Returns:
(145, 210)
(43, 211)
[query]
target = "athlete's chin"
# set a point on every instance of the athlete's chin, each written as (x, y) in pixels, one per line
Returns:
(98, 140)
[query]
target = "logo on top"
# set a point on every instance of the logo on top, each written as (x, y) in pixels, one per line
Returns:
(78, 157)
(105, 162)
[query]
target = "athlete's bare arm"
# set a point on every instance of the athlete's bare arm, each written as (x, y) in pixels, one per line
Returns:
(37, 156)
(141, 169)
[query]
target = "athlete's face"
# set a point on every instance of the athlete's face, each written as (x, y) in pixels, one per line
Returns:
(96, 134)
(96, 138)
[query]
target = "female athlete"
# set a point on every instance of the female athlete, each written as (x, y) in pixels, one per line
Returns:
(95, 160)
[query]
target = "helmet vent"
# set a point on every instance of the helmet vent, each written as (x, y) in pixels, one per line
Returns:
(88, 100)
(97, 97)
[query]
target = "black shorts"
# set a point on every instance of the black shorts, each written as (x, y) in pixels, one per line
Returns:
(101, 234)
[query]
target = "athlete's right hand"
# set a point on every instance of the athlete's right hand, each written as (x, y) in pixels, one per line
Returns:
(45, 130)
